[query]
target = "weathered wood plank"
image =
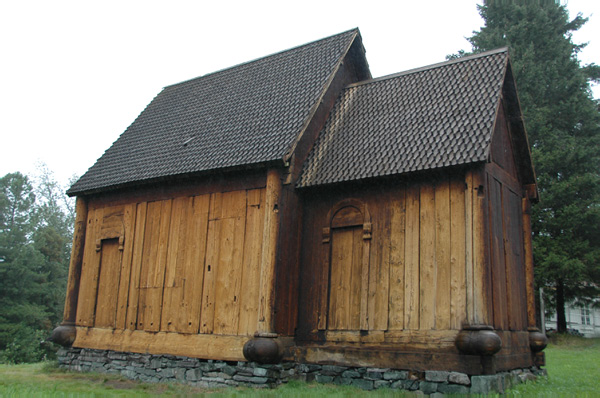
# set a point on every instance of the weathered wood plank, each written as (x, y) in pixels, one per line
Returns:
(481, 268)
(398, 339)
(397, 230)
(501, 147)
(372, 275)
(226, 348)
(288, 263)
(411, 268)
(313, 275)
(229, 272)
(340, 280)
(212, 259)
(521, 271)
(365, 247)
(129, 220)
(148, 257)
(427, 265)
(528, 254)
(153, 265)
(514, 262)
(176, 188)
(110, 264)
(174, 274)
(379, 279)
(497, 219)
(356, 318)
(136, 265)
(458, 285)
(86, 303)
(469, 246)
(75, 264)
(442, 254)
(269, 252)
(343, 355)
(248, 317)
(154, 297)
(193, 266)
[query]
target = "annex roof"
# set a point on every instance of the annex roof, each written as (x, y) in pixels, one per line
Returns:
(245, 115)
(432, 117)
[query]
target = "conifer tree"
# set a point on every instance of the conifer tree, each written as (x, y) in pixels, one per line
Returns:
(34, 254)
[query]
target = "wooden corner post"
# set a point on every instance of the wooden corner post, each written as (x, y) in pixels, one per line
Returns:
(70, 312)
(269, 253)
(528, 252)
(481, 300)
(65, 333)
(265, 347)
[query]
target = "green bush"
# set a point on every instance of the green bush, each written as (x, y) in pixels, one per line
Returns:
(28, 346)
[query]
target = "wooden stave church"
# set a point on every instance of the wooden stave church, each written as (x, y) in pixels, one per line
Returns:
(387, 225)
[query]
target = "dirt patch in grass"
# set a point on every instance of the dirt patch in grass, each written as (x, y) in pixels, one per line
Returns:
(121, 384)
(560, 340)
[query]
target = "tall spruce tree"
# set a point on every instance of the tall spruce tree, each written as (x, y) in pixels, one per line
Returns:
(563, 124)
(34, 254)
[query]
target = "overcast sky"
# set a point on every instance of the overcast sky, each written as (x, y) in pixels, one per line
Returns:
(75, 74)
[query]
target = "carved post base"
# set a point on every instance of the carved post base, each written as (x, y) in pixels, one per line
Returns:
(539, 359)
(537, 342)
(480, 340)
(264, 348)
(64, 335)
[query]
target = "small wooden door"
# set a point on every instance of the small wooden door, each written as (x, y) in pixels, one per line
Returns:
(108, 279)
(345, 278)
(347, 240)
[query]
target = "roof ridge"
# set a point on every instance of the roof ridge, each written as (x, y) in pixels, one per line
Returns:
(292, 147)
(263, 57)
(430, 67)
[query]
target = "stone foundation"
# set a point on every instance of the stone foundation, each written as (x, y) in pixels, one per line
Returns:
(209, 373)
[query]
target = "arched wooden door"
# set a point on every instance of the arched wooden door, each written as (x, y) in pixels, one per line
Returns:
(347, 247)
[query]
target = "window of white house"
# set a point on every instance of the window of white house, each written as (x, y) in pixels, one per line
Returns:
(585, 316)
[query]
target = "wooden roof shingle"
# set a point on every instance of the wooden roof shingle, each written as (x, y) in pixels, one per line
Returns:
(246, 115)
(432, 117)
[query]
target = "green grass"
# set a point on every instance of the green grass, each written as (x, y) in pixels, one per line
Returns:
(573, 365)
(573, 368)
(47, 381)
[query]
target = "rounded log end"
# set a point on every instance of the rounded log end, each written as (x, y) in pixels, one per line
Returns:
(537, 341)
(63, 335)
(263, 350)
(481, 341)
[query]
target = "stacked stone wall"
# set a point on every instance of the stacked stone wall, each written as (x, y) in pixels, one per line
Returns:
(211, 374)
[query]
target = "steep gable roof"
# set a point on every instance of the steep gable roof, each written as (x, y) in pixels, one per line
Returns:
(432, 117)
(246, 115)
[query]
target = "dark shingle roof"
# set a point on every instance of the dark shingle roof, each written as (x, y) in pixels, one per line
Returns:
(248, 114)
(432, 117)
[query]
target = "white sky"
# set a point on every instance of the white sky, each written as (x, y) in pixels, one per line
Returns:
(75, 74)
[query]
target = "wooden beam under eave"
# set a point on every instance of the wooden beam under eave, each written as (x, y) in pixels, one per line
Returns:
(531, 192)
(266, 306)
(529, 273)
(81, 213)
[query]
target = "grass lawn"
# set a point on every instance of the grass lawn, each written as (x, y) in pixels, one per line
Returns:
(573, 365)
(573, 368)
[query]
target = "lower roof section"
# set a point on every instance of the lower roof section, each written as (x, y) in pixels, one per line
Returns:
(432, 117)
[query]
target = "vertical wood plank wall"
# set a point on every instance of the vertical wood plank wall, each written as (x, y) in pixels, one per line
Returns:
(420, 258)
(187, 264)
(446, 251)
